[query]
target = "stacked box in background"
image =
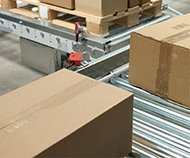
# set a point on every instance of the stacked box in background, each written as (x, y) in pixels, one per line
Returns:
(66, 115)
(160, 59)
(93, 7)
(97, 7)
(69, 4)
(101, 7)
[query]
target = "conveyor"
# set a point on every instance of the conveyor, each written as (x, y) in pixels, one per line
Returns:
(161, 128)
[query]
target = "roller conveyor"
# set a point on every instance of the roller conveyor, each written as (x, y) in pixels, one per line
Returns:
(161, 128)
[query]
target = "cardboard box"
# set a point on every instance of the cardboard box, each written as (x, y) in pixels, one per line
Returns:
(101, 7)
(160, 59)
(66, 115)
(70, 4)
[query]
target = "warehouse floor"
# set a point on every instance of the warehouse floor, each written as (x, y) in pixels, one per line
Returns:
(14, 74)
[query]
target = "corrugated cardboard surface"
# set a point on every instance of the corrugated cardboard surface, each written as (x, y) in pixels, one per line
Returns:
(101, 7)
(70, 4)
(66, 115)
(160, 59)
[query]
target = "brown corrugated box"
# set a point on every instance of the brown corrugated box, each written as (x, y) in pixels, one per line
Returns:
(66, 115)
(160, 59)
(70, 4)
(101, 7)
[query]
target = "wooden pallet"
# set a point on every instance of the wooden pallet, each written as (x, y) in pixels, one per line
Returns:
(152, 8)
(93, 24)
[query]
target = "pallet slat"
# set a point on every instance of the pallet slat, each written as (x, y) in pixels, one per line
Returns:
(25, 12)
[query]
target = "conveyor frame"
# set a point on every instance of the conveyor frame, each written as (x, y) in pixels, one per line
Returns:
(95, 49)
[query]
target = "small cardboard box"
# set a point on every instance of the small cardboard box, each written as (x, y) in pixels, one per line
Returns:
(101, 7)
(160, 59)
(66, 115)
(70, 4)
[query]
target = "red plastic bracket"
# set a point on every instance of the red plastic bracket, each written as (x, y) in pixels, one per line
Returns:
(75, 58)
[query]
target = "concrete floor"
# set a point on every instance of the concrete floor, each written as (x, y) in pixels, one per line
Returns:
(182, 6)
(14, 74)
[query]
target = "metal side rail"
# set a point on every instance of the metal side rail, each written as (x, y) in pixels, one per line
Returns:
(160, 128)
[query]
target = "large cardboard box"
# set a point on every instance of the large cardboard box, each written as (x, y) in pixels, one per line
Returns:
(160, 59)
(70, 4)
(66, 115)
(101, 7)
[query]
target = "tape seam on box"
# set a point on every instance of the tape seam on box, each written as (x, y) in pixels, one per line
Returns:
(53, 101)
(165, 61)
